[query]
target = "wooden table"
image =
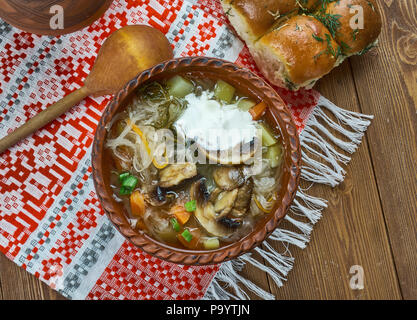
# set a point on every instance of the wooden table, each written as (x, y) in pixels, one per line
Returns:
(372, 216)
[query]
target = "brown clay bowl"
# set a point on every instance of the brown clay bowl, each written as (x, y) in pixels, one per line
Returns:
(34, 15)
(277, 115)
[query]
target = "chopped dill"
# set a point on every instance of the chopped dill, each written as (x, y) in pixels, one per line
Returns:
(317, 56)
(371, 5)
(329, 46)
(316, 37)
(345, 46)
(330, 50)
(331, 21)
(355, 34)
(367, 49)
(227, 13)
(289, 84)
(325, 3)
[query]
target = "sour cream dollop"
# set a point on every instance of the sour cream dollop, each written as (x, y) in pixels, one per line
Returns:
(213, 125)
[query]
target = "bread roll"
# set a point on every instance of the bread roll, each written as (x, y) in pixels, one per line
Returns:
(356, 40)
(296, 54)
(253, 18)
(308, 4)
(296, 42)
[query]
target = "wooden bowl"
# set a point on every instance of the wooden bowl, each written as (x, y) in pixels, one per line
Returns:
(277, 115)
(34, 15)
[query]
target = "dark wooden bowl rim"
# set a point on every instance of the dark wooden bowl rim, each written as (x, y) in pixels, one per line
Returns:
(277, 112)
(38, 24)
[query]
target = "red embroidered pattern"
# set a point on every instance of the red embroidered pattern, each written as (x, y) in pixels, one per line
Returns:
(51, 222)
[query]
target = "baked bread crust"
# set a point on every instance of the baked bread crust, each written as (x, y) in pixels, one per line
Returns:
(353, 41)
(253, 18)
(296, 42)
(305, 48)
(308, 4)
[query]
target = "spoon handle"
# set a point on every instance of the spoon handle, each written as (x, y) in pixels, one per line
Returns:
(43, 118)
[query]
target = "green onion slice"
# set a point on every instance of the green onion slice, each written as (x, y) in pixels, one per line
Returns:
(175, 225)
(123, 176)
(190, 206)
(187, 235)
(130, 182)
(125, 191)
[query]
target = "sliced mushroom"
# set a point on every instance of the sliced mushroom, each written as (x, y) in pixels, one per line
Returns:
(174, 174)
(228, 178)
(231, 223)
(157, 197)
(239, 154)
(215, 194)
(205, 213)
(225, 202)
(124, 162)
(243, 199)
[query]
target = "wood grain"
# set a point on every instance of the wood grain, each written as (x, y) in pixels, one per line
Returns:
(1, 290)
(34, 15)
(352, 229)
(17, 284)
(371, 219)
(386, 86)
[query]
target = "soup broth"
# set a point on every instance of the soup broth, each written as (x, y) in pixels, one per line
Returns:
(169, 193)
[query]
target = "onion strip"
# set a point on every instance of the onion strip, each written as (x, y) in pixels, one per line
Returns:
(261, 207)
(145, 143)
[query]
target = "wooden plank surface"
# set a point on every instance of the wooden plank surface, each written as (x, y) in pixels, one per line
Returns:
(371, 219)
(17, 284)
(372, 216)
(352, 230)
(387, 87)
(1, 290)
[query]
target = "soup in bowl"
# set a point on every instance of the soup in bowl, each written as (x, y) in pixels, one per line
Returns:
(196, 160)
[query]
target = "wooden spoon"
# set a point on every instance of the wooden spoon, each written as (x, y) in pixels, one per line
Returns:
(127, 52)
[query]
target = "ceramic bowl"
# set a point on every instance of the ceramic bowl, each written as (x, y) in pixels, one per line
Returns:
(277, 115)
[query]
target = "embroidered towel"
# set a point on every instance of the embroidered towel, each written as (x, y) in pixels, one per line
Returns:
(51, 223)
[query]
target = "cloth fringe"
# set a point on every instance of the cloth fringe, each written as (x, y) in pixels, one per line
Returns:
(323, 163)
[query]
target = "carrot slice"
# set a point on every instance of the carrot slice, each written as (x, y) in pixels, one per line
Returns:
(137, 204)
(195, 240)
(258, 110)
(180, 213)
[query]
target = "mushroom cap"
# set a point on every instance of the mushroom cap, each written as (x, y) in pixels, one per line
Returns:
(205, 213)
(228, 178)
(239, 154)
(174, 174)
